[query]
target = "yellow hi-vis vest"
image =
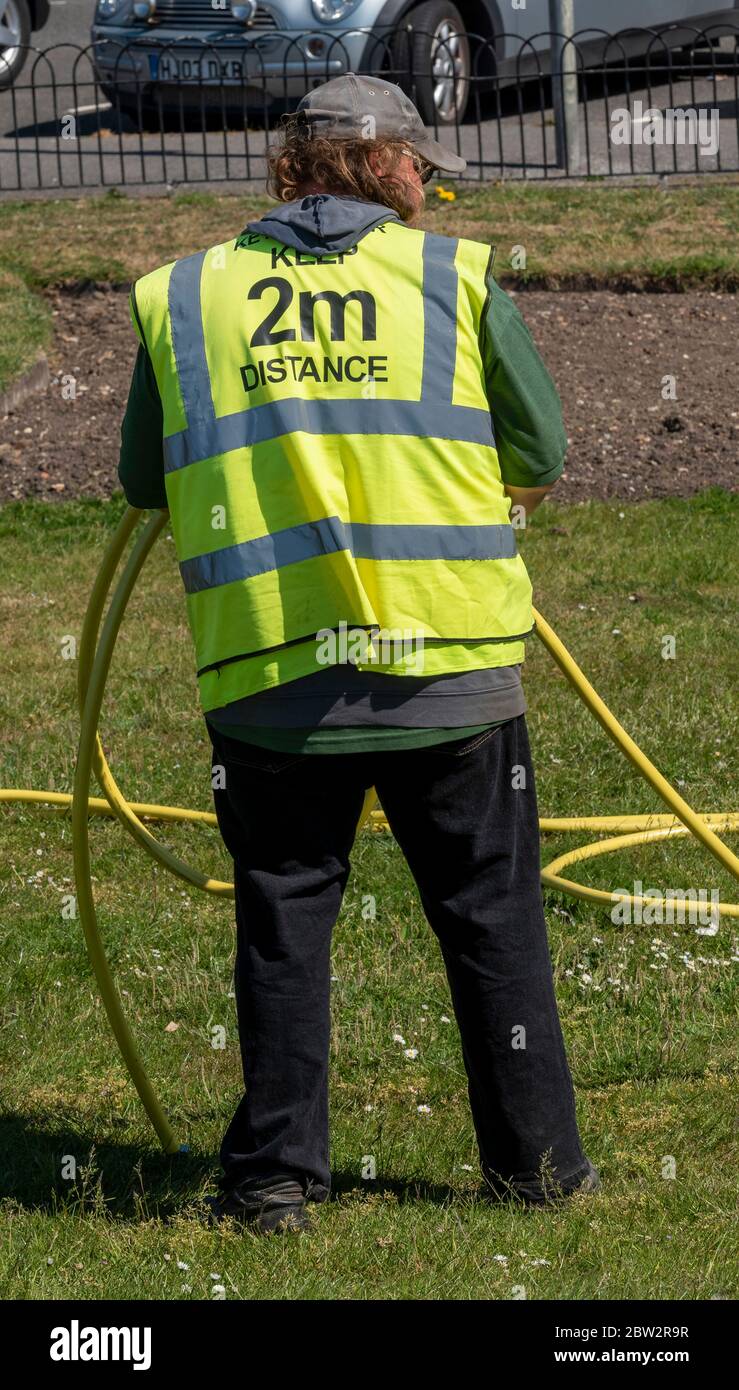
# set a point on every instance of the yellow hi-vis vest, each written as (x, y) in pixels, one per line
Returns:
(330, 464)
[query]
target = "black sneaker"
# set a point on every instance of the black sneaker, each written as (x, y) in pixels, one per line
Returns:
(273, 1204)
(539, 1194)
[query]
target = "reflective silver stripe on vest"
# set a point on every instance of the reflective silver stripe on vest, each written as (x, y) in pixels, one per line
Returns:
(188, 340)
(439, 317)
(432, 417)
(424, 419)
(330, 534)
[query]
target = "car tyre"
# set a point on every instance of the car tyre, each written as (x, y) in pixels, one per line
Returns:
(15, 37)
(432, 62)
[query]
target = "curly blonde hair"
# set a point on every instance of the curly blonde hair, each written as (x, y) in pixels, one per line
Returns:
(306, 160)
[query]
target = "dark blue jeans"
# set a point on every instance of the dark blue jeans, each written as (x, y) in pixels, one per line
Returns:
(464, 814)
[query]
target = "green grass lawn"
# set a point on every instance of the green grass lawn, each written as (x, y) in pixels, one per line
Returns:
(26, 326)
(649, 1012)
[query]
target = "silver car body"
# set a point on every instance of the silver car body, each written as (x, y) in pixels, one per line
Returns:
(284, 51)
(187, 46)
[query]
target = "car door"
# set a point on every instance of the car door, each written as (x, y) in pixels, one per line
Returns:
(533, 19)
(639, 14)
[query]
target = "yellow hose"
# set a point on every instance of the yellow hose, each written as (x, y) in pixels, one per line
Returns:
(95, 655)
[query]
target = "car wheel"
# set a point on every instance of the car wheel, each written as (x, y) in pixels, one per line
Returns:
(15, 36)
(432, 62)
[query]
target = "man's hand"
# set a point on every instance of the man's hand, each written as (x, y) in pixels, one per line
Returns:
(526, 497)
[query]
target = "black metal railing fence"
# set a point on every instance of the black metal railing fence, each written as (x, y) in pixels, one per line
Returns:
(203, 111)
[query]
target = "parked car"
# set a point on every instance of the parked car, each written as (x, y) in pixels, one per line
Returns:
(266, 55)
(18, 19)
(257, 55)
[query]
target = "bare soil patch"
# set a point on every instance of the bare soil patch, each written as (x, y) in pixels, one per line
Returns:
(609, 354)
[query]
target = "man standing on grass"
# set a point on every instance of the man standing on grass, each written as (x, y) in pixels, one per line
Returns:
(339, 411)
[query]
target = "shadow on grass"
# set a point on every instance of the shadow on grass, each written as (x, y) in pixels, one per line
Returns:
(120, 1179)
(130, 1182)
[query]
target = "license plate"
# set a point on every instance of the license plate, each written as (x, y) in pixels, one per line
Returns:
(205, 70)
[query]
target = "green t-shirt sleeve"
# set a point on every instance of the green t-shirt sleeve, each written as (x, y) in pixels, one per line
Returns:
(141, 464)
(525, 407)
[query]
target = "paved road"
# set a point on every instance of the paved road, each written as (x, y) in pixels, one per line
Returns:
(42, 149)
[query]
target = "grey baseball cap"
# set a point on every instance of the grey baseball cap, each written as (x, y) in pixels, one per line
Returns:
(353, 106)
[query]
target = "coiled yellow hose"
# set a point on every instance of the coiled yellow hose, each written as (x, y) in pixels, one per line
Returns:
(95, 654)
